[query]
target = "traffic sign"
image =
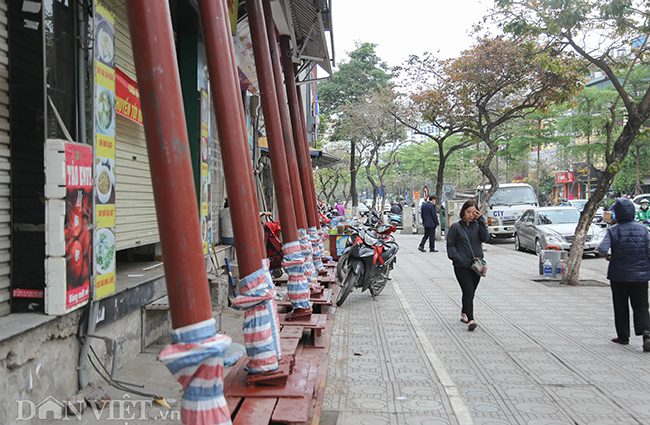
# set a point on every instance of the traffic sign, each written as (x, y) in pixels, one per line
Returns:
(425, 193)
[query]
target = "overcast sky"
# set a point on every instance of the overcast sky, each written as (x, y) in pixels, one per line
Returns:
(405, 27)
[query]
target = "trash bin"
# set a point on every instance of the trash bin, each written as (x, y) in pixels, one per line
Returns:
(554, 256)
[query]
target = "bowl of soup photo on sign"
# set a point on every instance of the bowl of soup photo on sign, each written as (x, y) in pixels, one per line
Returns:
(105, 44)
(104, 183)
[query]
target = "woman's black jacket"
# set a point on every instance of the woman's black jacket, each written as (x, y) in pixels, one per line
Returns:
(458, 249)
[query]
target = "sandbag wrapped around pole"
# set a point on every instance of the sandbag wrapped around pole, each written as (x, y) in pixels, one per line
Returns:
(318, 248)
(195, 358)
(307, 253)
(297, 284)
(261, 323)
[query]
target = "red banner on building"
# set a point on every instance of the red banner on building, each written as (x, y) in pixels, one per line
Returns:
(566, 177)
(127, 102)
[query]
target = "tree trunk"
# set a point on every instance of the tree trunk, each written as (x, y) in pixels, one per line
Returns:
(620, 149)
(353, 174)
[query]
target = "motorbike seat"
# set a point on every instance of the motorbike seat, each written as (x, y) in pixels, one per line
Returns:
(389, 250)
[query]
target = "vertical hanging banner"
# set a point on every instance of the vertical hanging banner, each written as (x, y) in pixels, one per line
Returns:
(105, 152)
(206, 234)
(78, 249)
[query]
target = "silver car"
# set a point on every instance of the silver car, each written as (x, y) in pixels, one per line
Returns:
(540, 228)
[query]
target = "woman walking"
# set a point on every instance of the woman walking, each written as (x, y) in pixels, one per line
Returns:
(464, 242)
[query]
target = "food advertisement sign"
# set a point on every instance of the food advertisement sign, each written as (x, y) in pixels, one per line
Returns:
(206, 233)
(77, 231)
(105, 86)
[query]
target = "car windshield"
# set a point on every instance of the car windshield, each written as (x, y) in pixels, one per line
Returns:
(580, 205)
(558, 216)
(514, 196)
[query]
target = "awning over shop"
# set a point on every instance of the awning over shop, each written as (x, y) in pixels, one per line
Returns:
(319, 159)
(310, 20)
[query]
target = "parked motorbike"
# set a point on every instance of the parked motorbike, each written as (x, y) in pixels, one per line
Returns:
(383, 231)
(395, 219)
(367, 261)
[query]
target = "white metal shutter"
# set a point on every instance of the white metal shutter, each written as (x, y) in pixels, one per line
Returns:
(135, 212)
(5, 225)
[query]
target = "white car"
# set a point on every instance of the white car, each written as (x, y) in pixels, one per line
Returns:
(580, 205)
(539, 228)
(637, 200)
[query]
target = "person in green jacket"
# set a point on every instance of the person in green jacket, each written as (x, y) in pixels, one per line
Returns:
(643, 213)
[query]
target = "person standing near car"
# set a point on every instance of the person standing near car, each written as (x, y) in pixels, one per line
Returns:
(430, 222)
(628, 272)
(464, 242)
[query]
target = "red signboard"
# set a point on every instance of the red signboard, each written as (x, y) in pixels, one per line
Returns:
(425, 193)
(78, 237)
(127, 102)
(565, 177)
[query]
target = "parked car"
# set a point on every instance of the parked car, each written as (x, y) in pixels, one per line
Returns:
(539, 228)
(580, 205)
(364, 211)
(637, 200)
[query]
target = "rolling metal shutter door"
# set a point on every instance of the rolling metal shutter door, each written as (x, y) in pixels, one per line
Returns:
(135, 212)
(5, 224)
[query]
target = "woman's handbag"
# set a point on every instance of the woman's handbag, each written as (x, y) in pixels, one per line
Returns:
(479, 265)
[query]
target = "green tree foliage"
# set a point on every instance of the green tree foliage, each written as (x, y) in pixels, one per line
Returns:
(595, 30)
(355, 79)
(500, 80)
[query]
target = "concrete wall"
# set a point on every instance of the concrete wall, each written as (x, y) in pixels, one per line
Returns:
(42, 362)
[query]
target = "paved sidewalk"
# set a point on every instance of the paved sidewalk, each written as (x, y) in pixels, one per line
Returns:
(541, 354)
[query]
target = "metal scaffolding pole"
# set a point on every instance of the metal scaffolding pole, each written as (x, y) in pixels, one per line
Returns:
(281, 178)
(302, 153)
(196, 346)
(293, 261)
(169, 159)
(292, 163)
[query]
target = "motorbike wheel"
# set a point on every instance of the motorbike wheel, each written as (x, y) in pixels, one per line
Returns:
(377, 287)
(348, 283)
(342, 267)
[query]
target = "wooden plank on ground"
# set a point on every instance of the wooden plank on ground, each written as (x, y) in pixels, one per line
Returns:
(289, 346)
(292, 332)
(255, 411)
(233, 402)
(292, 410)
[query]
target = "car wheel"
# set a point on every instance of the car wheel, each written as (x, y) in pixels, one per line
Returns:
(518, 246)
(538, 247)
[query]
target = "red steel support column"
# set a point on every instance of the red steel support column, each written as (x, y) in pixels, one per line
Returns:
(310, 170)
(272, 120)
(233, 139)
(170, 163)
(292, 163)
(302, 153)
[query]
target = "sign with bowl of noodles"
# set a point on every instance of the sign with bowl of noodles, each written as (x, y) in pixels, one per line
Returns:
(105, 182)
(104, 164)
(105, 251)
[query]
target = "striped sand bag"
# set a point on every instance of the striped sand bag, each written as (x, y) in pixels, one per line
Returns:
(307, 253)
(261, 323)
(195, 358)
(317, 245)
(297, 285)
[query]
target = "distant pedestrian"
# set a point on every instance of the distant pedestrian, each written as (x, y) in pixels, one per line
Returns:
(430, 222)
(628, 272)
(339, 208)
(225, 224)
(470, 229)
(395, 208)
